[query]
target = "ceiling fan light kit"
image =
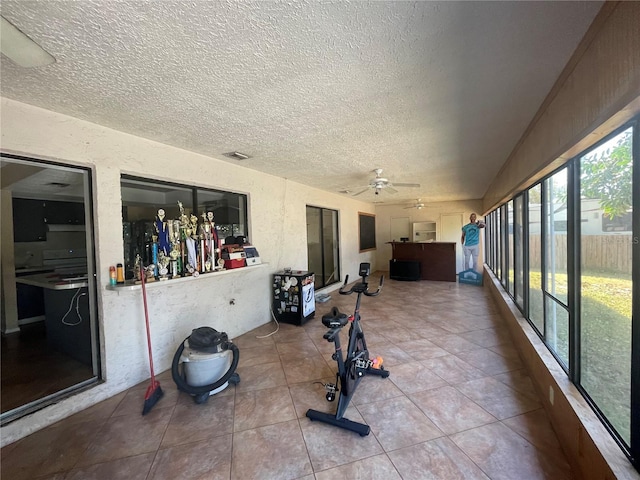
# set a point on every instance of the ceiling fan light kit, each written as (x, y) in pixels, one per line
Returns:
(418, 205)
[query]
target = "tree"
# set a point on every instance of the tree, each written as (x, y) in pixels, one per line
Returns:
(535, 195)
(606, 175)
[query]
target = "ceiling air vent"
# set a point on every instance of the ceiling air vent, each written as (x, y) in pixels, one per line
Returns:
(237, 155)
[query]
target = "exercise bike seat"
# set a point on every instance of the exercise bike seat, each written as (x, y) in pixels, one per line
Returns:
(335, 318)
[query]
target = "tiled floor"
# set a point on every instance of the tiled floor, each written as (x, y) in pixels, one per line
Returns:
(457, 405)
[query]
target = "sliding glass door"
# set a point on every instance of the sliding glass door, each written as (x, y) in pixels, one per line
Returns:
(323, 246)
(50, 344)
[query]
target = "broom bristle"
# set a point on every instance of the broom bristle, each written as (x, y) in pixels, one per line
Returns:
(154, 393)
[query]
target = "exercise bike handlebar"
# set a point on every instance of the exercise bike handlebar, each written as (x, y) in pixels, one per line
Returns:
(361, 287)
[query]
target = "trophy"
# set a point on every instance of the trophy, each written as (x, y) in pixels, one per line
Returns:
(154, 255)
(183, 227)
(174, 253)
(163, 263)
(207, 254)
(214, 249)
(191, 237)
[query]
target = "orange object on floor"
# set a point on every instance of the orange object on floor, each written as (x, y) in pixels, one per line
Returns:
(377, 362)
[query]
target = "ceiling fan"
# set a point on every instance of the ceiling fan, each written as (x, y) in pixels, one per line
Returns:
(419, 205)
(379, 183)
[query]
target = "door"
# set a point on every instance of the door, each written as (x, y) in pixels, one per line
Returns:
(55, 344)
(323, 248)
(451, 231)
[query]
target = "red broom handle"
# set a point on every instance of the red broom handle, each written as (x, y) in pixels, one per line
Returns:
(146, 319)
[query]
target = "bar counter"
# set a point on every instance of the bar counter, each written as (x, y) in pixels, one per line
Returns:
(437, 259)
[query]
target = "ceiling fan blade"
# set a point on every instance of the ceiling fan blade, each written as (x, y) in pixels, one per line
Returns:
(360, 192)
(406, 184)
(390, 189)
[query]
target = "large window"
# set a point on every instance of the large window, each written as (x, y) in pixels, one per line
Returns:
(605, 279)
(502, 244)
(536, 299)
(142, 199)
(510, 249)
(574, 239)
(555, 284)
(518, 250)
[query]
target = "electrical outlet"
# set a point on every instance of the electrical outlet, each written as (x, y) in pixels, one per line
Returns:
(551, 394)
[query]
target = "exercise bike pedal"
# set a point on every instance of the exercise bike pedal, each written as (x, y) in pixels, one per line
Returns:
(331, 389)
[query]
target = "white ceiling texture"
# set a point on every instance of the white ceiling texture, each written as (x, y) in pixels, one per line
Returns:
(322, 93)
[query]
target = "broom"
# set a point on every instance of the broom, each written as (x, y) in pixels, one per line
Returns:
(154, 392)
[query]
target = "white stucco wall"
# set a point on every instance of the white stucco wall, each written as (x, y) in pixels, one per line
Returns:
(277, 219)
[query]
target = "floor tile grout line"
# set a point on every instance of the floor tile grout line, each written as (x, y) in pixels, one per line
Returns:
(94, 435)
(404, 394)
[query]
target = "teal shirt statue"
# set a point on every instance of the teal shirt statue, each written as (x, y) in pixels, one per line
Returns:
(470, 242)
(471, 233)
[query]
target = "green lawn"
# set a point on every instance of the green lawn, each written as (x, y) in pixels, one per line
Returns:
(606, 341)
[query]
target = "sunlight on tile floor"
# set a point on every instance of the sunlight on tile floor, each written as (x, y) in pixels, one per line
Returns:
(457, 405)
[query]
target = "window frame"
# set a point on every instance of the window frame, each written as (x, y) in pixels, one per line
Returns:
(498, 262)
(194, 191)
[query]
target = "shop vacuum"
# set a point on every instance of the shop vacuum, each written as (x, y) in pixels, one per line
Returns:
(205, 363)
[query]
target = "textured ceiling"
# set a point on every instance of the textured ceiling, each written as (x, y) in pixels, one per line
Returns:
(322, 93)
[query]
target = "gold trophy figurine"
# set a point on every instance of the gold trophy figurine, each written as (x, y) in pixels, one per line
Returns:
(194, 226)
(163, 264)
(184, 220)
(174, 232)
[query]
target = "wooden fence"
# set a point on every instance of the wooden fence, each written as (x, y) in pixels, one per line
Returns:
(599, 252)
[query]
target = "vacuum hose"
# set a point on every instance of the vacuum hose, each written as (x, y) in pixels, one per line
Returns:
(185, 387)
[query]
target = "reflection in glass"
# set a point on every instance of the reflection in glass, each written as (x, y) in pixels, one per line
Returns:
(557, 330)
(502, 260)
(323, 245)
(555, 253)
(556, 235)
(536, 310)
(510, 249)
(518, 254)
(49, 349)
(329, 235)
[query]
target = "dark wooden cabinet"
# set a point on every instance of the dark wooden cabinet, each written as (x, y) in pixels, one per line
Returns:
(64, 213)
(30, 301)
(69, 329)
(28, 220)
(31, 217)
(437, 259)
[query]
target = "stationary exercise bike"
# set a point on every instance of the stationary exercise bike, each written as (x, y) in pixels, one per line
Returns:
(356, 364)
